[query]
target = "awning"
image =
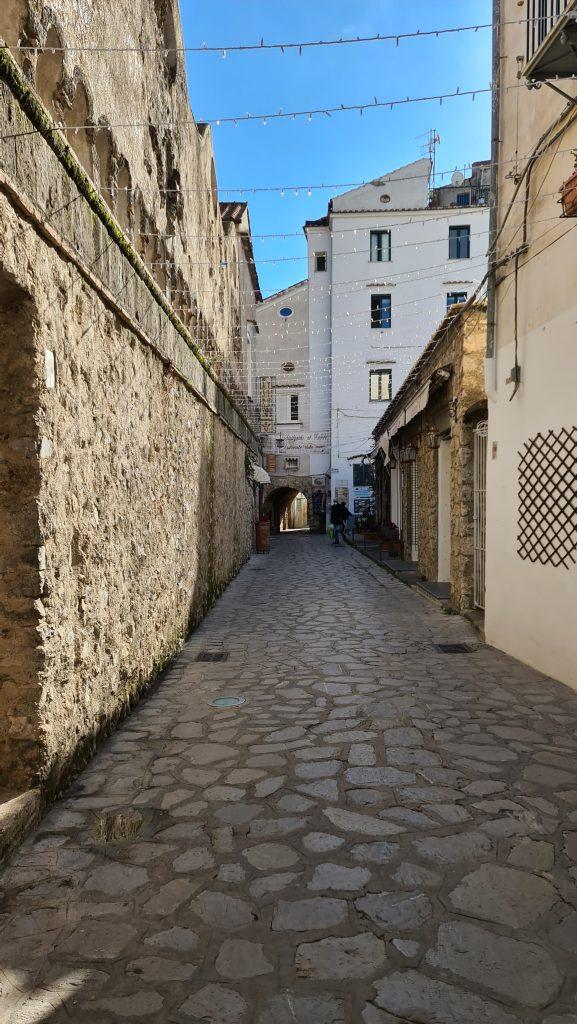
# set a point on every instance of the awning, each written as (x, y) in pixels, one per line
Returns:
(382, 445)
(260, 475)
(417, 405)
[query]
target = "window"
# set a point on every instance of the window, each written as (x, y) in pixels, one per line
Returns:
(380, 310)
(463, 199)
(455, 297)
(460, 242)
(380, 385)
(363, 475)
(285, 312)
(291, 465)
(320, 262)
(380, 246)
(287, 406)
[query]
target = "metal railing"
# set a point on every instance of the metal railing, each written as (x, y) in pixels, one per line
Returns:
(542, 16)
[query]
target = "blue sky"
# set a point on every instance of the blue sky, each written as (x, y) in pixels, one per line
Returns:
(346, 147)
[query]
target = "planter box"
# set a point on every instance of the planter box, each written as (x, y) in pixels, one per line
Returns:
(568, 192)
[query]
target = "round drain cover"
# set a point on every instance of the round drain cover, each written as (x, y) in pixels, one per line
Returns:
(227, 702)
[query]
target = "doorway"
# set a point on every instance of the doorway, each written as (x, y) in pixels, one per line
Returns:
(479, 513)
(444, 510)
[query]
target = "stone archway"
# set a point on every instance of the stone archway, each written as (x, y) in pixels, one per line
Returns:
(280, 493)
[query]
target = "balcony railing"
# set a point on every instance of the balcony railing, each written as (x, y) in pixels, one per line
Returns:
(551, 39)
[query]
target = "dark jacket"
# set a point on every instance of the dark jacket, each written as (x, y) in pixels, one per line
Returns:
(339, 513)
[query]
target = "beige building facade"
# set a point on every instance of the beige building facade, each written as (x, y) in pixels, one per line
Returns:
(531, 366)
(428, 445)
(295, 452)
(126, 497)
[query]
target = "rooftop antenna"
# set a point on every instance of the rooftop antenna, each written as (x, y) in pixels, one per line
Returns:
(430, 149)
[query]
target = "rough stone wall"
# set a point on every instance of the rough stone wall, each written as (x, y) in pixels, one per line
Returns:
(449, 407)
(428, 509)
(20, 537)
(144, 513)
(155, 164)
(469, 390)
(125, 506)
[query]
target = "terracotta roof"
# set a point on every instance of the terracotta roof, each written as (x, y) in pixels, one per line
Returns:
(233, 211)
(413, 209)
(412, 378)
(322, 222)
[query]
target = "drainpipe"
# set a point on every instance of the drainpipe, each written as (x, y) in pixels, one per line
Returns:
(493, 212)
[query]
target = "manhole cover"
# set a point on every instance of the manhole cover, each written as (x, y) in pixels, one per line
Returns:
(227, 702)
(212, 656)
(457, 648)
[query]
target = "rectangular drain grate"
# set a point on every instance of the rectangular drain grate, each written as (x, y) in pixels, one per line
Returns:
(212, 656)
(457, 648)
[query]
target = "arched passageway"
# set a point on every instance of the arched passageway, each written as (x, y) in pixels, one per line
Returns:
(288, 509)
(297, 502)
(296, 514)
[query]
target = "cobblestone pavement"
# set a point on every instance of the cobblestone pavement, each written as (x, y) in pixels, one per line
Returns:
(382, 833)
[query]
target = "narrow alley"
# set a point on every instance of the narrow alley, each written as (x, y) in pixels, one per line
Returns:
(383, 831)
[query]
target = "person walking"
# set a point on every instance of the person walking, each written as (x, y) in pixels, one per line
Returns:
(339, 517)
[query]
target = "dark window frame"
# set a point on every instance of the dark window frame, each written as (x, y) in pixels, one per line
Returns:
(381, 373)
(452, 299)
(383, 251)
(460, 242)
(381, 311)
(363, 474)
(294, 408)
(321, 257)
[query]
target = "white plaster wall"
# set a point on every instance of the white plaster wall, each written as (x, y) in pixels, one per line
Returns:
(531, 608)
(319, 240)
(418, 278)
(282, 341)
(407, 187)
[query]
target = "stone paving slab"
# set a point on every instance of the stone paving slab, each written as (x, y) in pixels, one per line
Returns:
(382, 833)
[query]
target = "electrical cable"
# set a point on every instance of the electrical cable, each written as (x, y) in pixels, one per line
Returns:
(260, 47)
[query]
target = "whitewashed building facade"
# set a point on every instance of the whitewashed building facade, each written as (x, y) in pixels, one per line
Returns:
(384, 264)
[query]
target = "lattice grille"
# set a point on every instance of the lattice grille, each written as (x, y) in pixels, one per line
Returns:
(548, 498)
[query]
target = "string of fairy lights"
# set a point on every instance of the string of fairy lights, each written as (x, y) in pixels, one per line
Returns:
(282, 47)
(264, 118)
(319, 366)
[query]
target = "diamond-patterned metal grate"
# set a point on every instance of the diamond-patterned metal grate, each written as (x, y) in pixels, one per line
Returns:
(548, 498)
(212, 656)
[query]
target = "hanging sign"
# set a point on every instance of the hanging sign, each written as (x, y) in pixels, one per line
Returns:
(314, 441)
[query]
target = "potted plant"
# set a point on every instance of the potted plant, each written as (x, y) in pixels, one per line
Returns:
(568, 192)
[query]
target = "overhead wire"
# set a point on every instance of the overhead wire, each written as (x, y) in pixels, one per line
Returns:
(262, 46)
